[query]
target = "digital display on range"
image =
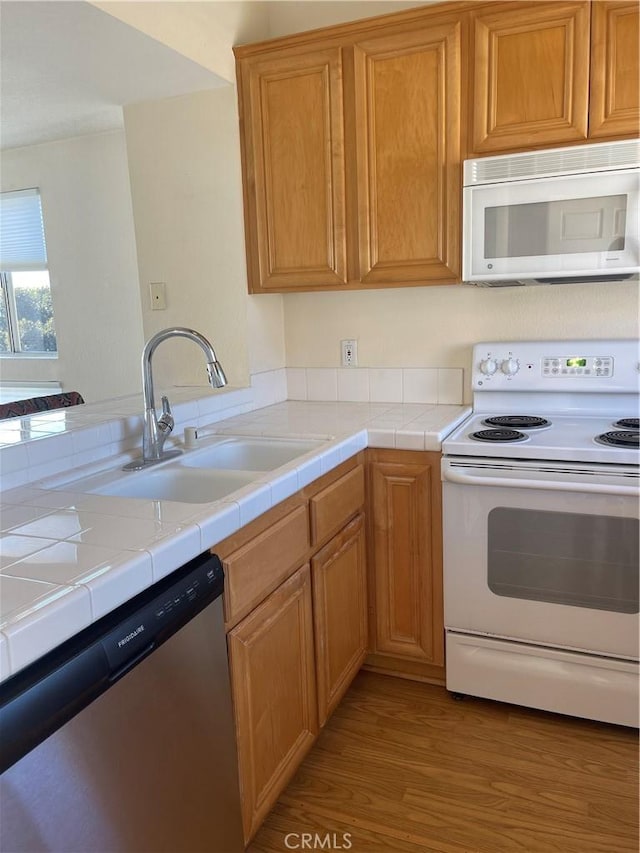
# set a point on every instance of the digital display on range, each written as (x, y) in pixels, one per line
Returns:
(576, 362)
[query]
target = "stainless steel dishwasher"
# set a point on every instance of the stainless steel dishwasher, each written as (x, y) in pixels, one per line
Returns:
(122, 740)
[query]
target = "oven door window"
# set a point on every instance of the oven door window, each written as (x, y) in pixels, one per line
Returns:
(564, 558)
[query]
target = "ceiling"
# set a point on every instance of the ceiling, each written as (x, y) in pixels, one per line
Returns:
(68, 68)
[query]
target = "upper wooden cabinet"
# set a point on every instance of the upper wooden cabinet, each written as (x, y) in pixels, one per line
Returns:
(553, 73)
(351, 152)
(530, 77)
(353, 136)
(614, 108)
(293, 161)
(407, 109)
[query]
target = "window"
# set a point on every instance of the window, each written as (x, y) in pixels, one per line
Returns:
(26, 308)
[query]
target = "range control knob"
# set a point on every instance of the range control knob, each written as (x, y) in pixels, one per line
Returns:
(488, 366)
(510, 366)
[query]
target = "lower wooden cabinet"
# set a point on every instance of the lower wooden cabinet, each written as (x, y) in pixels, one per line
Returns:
(312, 592)
(405, 572)
(274, 687)
(278, 620)
(340, 613)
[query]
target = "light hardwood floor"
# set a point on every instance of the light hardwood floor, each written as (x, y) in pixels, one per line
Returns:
(402, 766)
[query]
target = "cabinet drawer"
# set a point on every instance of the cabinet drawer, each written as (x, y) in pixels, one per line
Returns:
(333, 506)
(256, 569)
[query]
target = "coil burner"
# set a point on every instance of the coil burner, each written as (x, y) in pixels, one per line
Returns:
(517, 422)
(499, 435)
(620, 438)
(628, 423)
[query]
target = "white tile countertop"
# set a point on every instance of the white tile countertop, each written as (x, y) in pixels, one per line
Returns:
(67, 558)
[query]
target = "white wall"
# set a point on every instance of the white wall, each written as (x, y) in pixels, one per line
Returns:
(265, 327)
(86, 202)
(437, 326)
(203, 31)
(184, 161)
(287, 17)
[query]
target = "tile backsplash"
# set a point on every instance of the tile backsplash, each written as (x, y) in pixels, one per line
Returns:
(376, 385)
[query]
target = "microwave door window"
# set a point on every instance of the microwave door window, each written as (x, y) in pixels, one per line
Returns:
(562, 227)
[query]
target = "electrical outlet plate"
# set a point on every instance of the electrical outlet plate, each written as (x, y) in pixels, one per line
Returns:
(349, 352)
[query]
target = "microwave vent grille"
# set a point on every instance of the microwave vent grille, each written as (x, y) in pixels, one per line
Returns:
(557, 161)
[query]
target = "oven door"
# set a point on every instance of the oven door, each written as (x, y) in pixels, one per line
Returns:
(542, 553)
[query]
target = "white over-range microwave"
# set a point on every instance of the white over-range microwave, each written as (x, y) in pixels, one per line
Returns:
(553, 216)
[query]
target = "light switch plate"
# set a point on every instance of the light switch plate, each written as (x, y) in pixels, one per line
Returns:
(158, 291)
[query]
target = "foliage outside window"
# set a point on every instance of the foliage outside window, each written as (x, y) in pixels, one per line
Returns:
(26, 308)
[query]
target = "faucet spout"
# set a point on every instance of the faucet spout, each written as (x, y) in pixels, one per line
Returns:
(156, 431)
(217, 379)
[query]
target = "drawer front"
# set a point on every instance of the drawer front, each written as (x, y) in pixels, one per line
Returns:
(333, 507)
(256, 569)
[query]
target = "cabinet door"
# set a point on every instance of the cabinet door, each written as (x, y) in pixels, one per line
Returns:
(614, 108)
(530, 76)
(273, 680)
(407, 558)
(293, 164)
(339, 613)
(407, 107)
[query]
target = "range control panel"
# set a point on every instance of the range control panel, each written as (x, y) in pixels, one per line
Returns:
(592, 366)
(577, 365)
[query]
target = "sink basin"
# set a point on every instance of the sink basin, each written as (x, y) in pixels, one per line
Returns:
(170, 483)
(178, 484)
(202, 475)
(249, 454)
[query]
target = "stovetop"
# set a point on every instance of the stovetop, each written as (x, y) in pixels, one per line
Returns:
(572, 401)
(569, 438)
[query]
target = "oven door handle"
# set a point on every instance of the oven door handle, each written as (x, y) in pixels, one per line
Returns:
(450, 475)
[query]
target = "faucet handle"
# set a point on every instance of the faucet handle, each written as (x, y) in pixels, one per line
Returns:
(165, 421)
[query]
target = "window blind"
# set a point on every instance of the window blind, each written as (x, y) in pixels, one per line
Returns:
(22, 245)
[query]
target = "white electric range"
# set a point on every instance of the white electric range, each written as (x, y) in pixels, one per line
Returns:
(541, 529)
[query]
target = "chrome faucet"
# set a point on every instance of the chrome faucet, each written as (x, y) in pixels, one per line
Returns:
(156, 430)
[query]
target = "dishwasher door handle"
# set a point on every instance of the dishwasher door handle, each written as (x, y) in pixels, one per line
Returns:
(132, 662)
